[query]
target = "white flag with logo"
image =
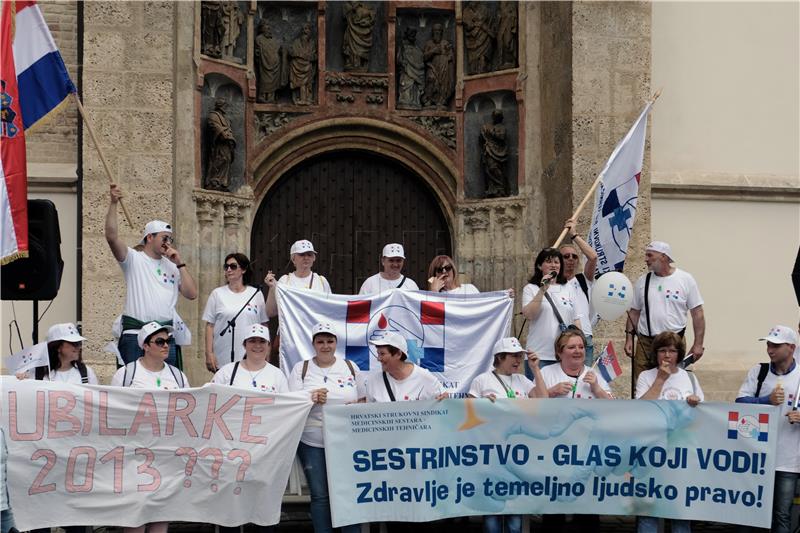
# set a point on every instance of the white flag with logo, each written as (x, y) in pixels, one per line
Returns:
(450, 335)
(31, 357)
(616, 197)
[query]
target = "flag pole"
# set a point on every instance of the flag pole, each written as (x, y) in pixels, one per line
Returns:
(591, 190)
(100, 153)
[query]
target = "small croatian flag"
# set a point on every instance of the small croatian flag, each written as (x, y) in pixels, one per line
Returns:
(608, 364)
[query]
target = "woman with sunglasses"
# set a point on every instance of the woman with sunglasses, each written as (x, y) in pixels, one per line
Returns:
(223, 304)
(302, 256)
(64, 347)
(443, 277)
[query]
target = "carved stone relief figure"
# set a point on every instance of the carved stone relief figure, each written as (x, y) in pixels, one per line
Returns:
(411, 71)
(211, 28)
(478, 37)
(303, 67)
(360, 20)
(268, 63)
(222, 145)
(507, 36)
(232, 19)
(439, 75)
(494, 154)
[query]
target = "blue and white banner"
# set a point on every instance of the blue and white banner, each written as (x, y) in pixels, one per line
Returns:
(422, 461)
(450, 335)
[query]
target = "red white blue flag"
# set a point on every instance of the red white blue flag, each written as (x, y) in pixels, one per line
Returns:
(34, 82)
(608, 364)
(616, 197)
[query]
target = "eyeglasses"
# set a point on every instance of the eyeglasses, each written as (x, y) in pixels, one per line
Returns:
(160, 342)
(570, 256)
(230, 266)
(443, 269)
(166, 239)
(666, 350)
(76, 344)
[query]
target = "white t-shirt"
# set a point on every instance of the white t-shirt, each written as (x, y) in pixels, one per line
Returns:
(670, 298)
(314, 282)
(342, 387)
(222, 305)
(72, 375)
(466, 288)
(678, 386)
(419, 385)
(554, 374)
(377, 284)
(582, 304)
(147, 379)
(544, 329)
(268, 379)
(152, 287)
(787, 458)
(487, 383)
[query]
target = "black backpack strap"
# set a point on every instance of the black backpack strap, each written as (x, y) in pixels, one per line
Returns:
(350, 366)
(762, 375)
(647, 303)
(84, 373)
(233, 374)
(402, 281)
(388, 387)
(126, 381)
(305, 371)
(582, 282)
(177, 377)
(553, 305)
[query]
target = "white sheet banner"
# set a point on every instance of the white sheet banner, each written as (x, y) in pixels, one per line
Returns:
(450, 335)
(92, 455)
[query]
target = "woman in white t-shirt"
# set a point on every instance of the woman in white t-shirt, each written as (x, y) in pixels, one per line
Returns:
(390, 276)
(571, 378)
(223, 304)
(399, 379)
(64, 347)
(443, 277)
(329, 380)
(667, 382)
(548, 302)
(302, 255)
(253, 371)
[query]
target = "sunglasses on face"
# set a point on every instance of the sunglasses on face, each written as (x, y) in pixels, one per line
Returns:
(230, 266)
(160, 342)
(77, 344)
(570, 256)
(443, 269)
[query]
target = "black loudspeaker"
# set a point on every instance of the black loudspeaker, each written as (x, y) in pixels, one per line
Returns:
(38, 276)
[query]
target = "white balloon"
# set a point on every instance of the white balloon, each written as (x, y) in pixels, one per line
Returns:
(612, 295)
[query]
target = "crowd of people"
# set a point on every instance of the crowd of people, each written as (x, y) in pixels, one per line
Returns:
(557, 360)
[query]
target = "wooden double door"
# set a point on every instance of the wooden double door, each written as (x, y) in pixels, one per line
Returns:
(349, 204)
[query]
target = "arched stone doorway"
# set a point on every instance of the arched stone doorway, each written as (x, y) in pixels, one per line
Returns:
(349, 203)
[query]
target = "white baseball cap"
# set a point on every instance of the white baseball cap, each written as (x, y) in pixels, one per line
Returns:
(322, 327)
(256, 330)
(64, 332)
(660, 247)
(148, 329)
(393, 250)
(507, 345)
(390, 338)
(156, 226)
(302, 246)
(781, 335)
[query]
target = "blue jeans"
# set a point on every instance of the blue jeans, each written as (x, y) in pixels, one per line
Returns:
(6, 520)
(649, 524)
(315, 469)
(542, 364)
(785, 487)
(494, 523)
(589, 360)
(129, 350)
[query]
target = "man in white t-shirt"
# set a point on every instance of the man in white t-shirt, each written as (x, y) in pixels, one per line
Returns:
(661, 300)
(581, 281)
(400, 380)
(393, 259)
(153, 277)
(150, 371)
(779, 386)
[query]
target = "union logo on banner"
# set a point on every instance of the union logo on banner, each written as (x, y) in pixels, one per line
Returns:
(748, 426)
(423, 328)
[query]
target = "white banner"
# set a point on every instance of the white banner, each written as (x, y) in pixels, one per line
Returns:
(450, 335)
(616, 198)
(93, 455)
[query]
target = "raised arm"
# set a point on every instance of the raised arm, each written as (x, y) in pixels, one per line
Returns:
(118, 248)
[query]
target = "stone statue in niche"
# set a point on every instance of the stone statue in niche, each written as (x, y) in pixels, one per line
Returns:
(303, 67)
(222, 146)
(410, 71)
(212, 29)
(479, 37)
(357, 43)
(506, 51)
(494, 154)
(268, 51)
(232, 20)
(439, 75)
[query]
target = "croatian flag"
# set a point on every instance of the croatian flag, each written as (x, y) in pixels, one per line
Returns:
(34, 82)
(450, 335)
(608, 364)
(616, 197)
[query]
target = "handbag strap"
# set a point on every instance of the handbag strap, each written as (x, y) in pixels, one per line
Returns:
(553, 305)
(647, 303)
(388, 387)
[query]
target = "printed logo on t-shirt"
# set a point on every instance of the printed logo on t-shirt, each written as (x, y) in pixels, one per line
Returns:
(267, 388)
(252, 308)
(349, 382)
(675, 295)
(671, 393)
(567, 302)
(165, 276)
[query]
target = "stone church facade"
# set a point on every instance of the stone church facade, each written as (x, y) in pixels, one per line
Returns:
(472, 129)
